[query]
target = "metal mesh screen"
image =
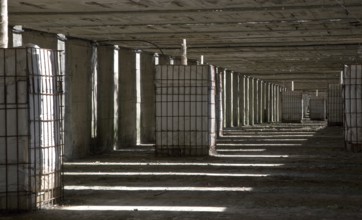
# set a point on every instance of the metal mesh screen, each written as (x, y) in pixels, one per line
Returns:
(292, 106)
(335, 105)
(352, 94)
(185, 110)
(31, 128)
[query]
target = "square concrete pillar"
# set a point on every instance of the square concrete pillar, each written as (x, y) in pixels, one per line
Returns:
(219, 101)
(236, 113)
(105, 101)
(147, 98)
(242, 99)
(265, 102)
(256, 101)
(251, 101)
(78, 106)
(229, 99)
(127, 126)
(224, 96)
(261, 101)
(268, 103)
(247, 101)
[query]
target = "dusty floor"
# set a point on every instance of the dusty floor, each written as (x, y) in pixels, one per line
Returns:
(283, 171)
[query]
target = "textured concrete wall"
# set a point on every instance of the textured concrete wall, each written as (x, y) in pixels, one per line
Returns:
(78, 99)
(147, 99)
(43, 40)
(105, 128)
(127, 128)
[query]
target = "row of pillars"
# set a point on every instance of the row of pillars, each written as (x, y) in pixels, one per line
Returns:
(248, 100)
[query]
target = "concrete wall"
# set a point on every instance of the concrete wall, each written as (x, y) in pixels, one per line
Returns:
(127, 135)
(147, 99)
(43, 40)
(105, 128)
(77, 99)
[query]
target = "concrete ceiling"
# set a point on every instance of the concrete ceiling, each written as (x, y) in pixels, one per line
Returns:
(279, 40)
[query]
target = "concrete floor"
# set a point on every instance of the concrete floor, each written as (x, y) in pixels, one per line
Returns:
(281, 171)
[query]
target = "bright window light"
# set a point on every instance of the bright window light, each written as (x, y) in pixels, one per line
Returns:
(144, 208)
(162, 188)
(172, 164)
(162, 174)
(266, 136)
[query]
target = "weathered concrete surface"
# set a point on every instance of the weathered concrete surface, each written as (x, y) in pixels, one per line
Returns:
(236, 94)
(282, 37)
(77, 99)
(105, 99)
(229, 99)
(127, 98)
(147, 98)
(43, 40)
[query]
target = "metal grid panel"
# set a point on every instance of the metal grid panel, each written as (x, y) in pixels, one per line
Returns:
(335, 105)
(352, 93)
(317, 108)
(185, 110)
(31, 128)
(292, 106)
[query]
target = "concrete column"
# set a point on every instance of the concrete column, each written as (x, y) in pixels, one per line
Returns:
(278, 103)
(265, 97)
(275, 103)
(105, 126)
(147, 98)
(251, 102)
(223, 73)
(77, 98)
(261, 101)
(256, 104)
(242, 99)
(272, 103)
(219, 101)
(43, 40)
(16, 36)
(127, 127)
(229, 99)
(247, 101)
(269, 102)
(4, 24)
(236, 113)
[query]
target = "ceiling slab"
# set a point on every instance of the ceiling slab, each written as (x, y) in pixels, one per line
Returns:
(276, 40)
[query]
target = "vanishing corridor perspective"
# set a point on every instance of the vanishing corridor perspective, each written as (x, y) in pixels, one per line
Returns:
(180, 109)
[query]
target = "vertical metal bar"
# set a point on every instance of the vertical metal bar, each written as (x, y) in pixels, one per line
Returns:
(6, 132)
